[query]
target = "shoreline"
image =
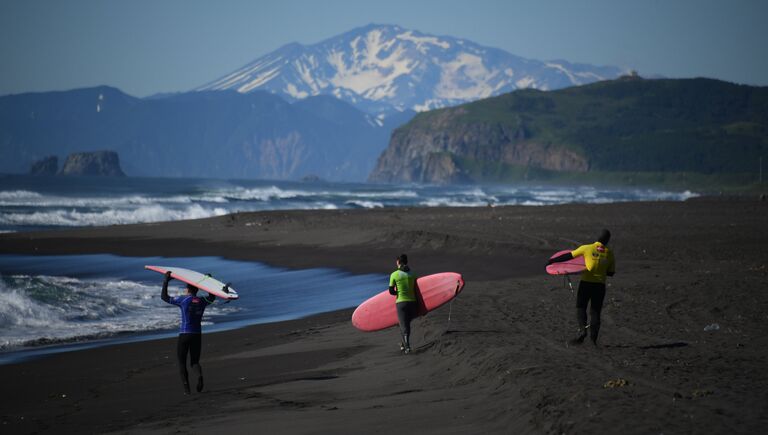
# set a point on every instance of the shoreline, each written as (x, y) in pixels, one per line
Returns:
(113, 299)
(499, 365)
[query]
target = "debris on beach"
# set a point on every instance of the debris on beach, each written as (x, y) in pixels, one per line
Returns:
(616, 383)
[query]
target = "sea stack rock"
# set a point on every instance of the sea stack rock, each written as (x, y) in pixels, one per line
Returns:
(45, 166)
(97, 163)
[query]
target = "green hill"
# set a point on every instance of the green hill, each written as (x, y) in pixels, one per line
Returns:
(652, 129)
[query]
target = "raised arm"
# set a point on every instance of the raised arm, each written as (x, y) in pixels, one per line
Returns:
(560, 258)
(210, 298)
(164, 293)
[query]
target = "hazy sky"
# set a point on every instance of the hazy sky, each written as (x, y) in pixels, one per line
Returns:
(146, 47)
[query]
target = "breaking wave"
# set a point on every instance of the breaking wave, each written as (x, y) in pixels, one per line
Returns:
(25, 205)
(75, 218)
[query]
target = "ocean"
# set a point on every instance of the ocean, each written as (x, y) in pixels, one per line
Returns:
(60, 303)
(37, 203)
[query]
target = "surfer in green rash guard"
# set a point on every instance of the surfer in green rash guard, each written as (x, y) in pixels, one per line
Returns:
(402, 283)
(599, 262)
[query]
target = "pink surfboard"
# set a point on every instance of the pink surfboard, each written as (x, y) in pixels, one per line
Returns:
(569, 267)
(433, 291)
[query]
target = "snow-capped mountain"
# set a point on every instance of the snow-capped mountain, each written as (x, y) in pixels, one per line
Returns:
(381, 67)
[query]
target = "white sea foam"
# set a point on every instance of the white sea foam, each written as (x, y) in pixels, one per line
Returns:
(32, 199)
(395, 194)
(55, 308)
(93, 205)
(277, 193)
(317, 206)
(365, 204)
(74, 218)
(61, 308)
(670, 196)
(557, 195)
(259, 193)
(18, 194)
(451, 202)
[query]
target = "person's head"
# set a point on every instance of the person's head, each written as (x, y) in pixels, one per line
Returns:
(402, 260)
(191, 290)
(605, 237)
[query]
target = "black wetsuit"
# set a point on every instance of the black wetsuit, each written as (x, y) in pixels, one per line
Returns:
(406, 312)
(190, 334)
(600, 263)
(591, 293)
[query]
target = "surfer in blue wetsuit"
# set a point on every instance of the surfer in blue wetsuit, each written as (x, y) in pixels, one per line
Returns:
(190, 333)
(402, 283)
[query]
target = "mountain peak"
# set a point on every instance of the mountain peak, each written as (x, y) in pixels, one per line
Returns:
(384, 67)
(291, 47)
(372, 27)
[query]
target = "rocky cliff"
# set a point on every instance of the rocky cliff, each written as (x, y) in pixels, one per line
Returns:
(443, 148)
(624, 125)
(97, 163)
(45, 166)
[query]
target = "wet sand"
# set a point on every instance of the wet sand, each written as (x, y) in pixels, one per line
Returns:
(500, 364)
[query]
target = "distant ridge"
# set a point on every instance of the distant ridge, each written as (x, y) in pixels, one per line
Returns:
(196, 134)
(625, 125)
(380, 68)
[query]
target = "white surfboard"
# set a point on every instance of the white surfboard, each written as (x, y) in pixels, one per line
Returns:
(206, 283)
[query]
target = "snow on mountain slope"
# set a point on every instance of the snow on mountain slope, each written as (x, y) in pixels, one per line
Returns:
(378, 68)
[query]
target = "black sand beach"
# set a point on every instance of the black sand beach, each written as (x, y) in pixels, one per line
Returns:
(500, 365)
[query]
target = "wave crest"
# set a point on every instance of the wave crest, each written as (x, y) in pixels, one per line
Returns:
(75, 218)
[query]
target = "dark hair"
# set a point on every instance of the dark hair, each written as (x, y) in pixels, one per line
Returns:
(605, 237)
(192, 289)
(403, 259)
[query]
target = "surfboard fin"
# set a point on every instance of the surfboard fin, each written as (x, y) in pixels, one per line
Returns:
(225, 289)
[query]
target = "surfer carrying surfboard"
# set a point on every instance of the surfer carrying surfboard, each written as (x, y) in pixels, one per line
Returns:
(190, 333)
(599, 262)
(402, 283)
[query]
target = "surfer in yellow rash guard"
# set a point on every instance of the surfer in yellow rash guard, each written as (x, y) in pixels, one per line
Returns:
(598, 259)
(402, 283)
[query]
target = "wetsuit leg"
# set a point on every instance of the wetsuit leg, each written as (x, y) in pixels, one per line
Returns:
(582, 300)
(195, 347)
(182, 348)
(595, 308)
(402, 318)
(406, 311)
